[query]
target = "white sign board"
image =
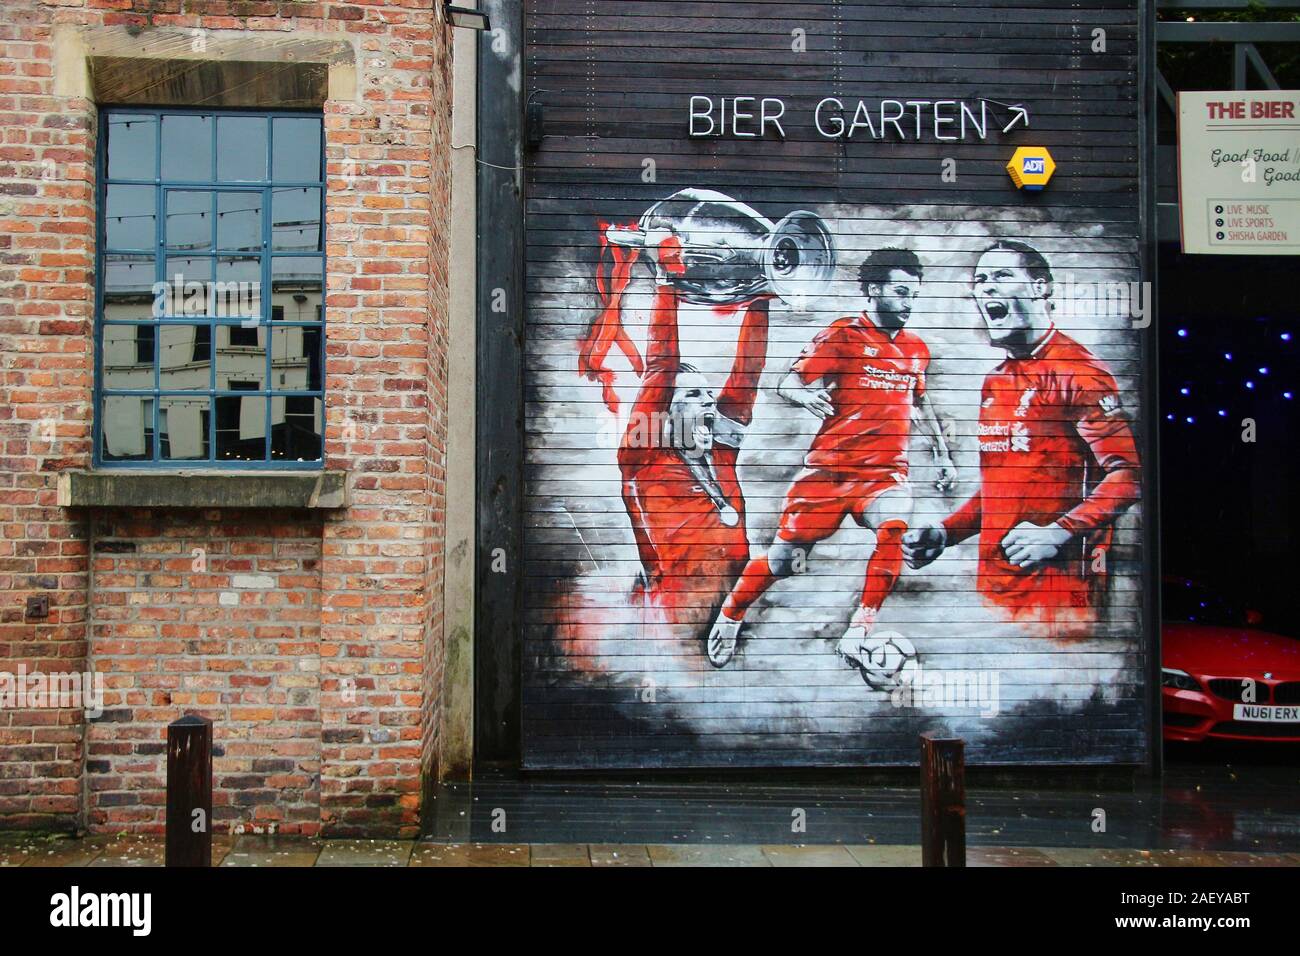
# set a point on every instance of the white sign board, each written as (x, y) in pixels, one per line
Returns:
(1239, 172)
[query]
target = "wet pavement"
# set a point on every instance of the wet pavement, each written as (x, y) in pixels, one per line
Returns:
(280, 851)
(1239, 799)
(1215, 807)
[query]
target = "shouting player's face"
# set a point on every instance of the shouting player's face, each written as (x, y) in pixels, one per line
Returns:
(694, 409)
(892, 301)
(1010, 300)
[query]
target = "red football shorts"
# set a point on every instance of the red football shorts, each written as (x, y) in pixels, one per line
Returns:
(818, 500)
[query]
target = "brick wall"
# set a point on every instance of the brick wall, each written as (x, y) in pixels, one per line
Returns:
(46, 262)
(217, 614)
(344, 731)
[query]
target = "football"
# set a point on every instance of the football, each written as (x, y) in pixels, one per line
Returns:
(888, 661)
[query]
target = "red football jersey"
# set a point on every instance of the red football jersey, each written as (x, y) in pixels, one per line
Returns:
(874, 383)
(683, 538)
(686, 540)
(1055, 446)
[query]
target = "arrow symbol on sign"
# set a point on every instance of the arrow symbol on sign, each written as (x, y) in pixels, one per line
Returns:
(1021, 114)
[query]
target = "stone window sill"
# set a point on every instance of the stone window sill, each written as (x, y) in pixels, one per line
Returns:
(203, 489)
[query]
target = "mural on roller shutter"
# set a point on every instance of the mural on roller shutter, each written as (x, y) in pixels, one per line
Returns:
(824, 478)
(808, 476)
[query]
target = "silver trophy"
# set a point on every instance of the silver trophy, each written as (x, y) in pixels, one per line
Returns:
(732, 253)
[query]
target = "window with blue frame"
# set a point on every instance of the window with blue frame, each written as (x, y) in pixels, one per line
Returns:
(211, 280)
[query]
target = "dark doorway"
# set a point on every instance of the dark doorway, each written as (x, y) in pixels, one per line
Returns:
(1229, 338)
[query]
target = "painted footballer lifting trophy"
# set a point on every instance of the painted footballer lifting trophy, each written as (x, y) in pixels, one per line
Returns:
(679, 474)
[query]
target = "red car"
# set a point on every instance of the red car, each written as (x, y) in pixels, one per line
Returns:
(1224, 678)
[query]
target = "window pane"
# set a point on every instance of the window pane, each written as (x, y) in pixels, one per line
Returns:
(295, 223)
(189, 220)
(187, 279)
(127, 356)
(186, 358)
(238, 293)
(296, 149)
(295, 358)
(132, 146)
(244, 336)
(241, 428)
(241, 358)
(130, 217)
(297, 426)
(187, 148)
(239, 221)
(241, 148)
(127, 428)
(128, 287)
(296, 287)
(183, 429)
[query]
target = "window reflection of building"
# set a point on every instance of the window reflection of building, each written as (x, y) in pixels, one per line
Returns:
(234, 206)
(185, 353)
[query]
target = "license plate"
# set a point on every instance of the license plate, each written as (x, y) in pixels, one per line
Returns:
(1266, 713)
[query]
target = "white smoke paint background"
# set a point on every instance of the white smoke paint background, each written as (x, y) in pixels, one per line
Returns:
(786, 679)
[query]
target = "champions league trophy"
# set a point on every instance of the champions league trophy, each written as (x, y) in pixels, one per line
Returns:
(732, 253)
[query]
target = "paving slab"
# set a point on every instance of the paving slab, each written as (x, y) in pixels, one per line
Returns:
(560, 854)
(619, 854)
(1094, 856)
(271, 851)
(667, 855)
(1210, 858)
(132, 850)
(15, 854)
(365, 852)
(809, 856)
(1007, 856)
(886, 855)
(69, 851)
(470, 854)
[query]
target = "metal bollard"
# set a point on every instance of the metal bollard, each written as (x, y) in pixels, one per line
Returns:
(943, 800)
(189, 792)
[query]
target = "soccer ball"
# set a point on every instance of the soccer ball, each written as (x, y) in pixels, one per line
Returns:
(888, 661)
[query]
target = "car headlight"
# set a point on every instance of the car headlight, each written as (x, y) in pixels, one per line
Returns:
(1181, 680)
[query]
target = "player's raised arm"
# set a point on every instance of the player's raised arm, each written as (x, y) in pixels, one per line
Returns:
(736, 401)
(662, 350)
(643, 434)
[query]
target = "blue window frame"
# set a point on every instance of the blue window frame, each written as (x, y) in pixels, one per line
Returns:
(209, 337)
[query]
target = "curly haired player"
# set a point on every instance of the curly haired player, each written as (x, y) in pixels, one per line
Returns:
(864, 377)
